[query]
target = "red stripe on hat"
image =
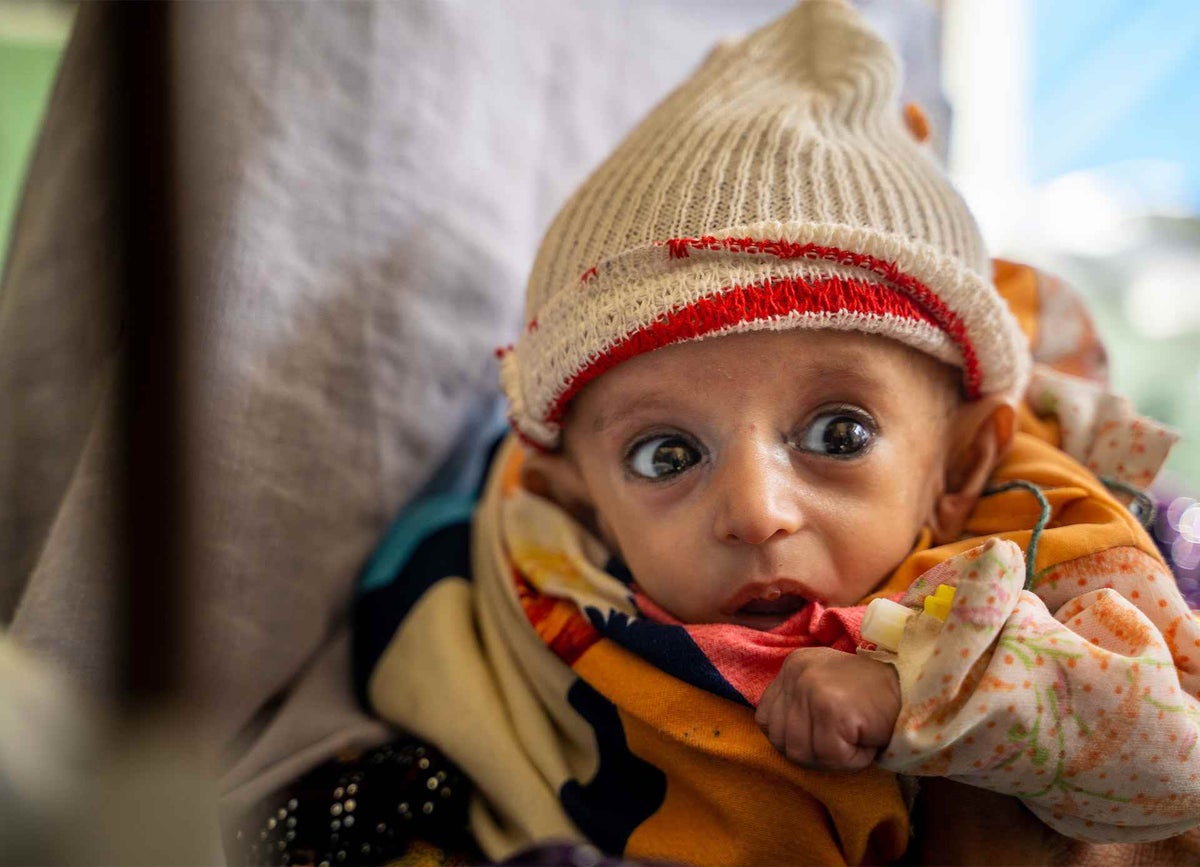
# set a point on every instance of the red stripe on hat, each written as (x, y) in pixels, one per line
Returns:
(944, 317)
(773, 299)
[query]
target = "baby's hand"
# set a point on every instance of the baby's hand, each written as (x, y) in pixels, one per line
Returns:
(830, 710)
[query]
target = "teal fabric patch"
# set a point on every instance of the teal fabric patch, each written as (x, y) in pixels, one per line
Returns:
(414, 524)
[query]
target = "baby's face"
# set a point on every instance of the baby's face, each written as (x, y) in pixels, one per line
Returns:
(740, 477)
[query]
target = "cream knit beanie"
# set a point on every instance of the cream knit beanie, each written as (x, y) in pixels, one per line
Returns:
(776, 188)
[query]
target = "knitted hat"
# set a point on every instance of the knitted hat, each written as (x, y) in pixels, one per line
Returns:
(776, 188)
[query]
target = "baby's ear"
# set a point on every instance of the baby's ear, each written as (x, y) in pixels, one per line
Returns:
(556, 477)
(981, 434)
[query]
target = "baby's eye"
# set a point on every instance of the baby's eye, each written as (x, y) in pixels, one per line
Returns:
(662, 456)
(837, 435)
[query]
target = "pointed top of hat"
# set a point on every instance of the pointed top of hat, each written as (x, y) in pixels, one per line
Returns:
(823, 55)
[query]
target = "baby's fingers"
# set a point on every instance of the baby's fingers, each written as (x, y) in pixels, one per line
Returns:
(836, 751)
(770, 698)
(772, 719)
(798, 731)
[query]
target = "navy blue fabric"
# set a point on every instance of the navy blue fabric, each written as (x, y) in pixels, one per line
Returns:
(626, 790)
(666, 647)
(616, 568)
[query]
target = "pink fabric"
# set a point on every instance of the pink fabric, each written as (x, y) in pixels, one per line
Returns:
(749, 659)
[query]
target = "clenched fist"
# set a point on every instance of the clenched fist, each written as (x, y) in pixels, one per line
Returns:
(830, 710)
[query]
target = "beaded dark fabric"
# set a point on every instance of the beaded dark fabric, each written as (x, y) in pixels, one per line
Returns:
(403, 801)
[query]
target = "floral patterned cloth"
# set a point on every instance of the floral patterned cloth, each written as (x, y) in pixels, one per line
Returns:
(1100, 429)
(1080, 696)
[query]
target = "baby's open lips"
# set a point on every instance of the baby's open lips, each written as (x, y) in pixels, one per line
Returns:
(785, 603)
(782, 596)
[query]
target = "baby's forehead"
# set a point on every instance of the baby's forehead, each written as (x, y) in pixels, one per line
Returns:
(819, 359)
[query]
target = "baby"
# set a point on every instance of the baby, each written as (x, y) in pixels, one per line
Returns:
(767, 374)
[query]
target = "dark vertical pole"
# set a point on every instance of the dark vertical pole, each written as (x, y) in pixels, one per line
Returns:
(150, 621)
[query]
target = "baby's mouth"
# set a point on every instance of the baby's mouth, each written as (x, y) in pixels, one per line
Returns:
(786, 603)
(767, 603)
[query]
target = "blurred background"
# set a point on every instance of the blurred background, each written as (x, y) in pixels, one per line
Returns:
(1074, 141)
(32, 37)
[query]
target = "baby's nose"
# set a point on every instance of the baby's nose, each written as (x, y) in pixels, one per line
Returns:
(757, 497)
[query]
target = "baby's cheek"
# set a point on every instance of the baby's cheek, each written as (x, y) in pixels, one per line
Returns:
(659, 570)
(870, 556)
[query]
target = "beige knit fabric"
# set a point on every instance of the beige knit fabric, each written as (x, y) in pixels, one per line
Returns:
(792, 134)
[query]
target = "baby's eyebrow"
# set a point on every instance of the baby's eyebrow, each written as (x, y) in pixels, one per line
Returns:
(642, 403)
(839, 373)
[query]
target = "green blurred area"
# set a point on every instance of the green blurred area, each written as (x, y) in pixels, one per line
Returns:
(32, 37)
(1161, 375)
